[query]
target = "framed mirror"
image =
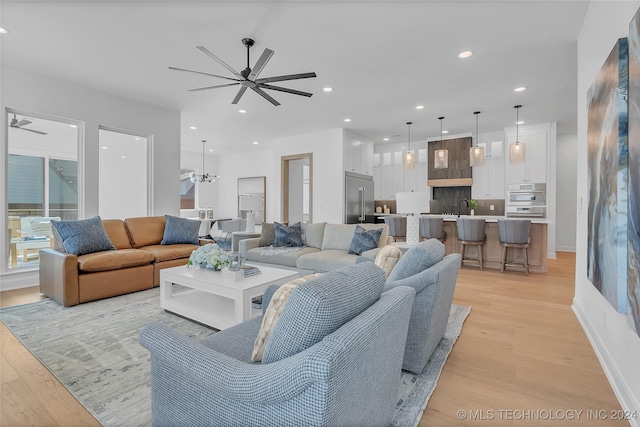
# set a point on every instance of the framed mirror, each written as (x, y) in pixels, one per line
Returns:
(251, 197)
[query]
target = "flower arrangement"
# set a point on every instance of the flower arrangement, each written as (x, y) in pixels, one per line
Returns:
(473, 204)
(209, 256)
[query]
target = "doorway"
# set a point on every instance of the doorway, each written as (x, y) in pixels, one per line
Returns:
(297, 188)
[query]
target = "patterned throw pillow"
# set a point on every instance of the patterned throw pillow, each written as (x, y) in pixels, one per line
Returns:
(388, 257)
(364, 240)
(84, 236)
(272, 314)
(287, 235)
(180, 230)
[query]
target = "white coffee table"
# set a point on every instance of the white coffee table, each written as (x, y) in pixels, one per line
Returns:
(213, 298)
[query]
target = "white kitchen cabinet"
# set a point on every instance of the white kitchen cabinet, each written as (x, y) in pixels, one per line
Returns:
(377, 183)
(488, 179)
(358, 157)
(492, 149)
(416, 179)
(398, 179)
(388, 180)
(536, 140)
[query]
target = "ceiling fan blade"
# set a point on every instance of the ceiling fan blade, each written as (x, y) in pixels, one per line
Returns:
(22, 122)
(212, 87)
(200, 72)
(262, 61)
(287, 77)
(241, 92)
(34, 131)
(287, 90)
(220, 61)
(265, 95)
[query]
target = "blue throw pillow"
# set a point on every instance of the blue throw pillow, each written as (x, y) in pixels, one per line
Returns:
(180, 230)
(364, 240)
(287, 235)
(83, 236)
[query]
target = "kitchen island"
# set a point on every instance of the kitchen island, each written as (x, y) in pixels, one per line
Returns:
(492, 253)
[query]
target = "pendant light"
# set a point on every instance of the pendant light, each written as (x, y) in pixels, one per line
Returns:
(476, 153)
(205, 177)
(409, 157)
(516, 150)
(441, 160)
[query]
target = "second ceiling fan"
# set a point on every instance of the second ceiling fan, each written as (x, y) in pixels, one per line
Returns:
(248, 78)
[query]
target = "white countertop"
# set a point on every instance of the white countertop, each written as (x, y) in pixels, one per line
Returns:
(488, 218)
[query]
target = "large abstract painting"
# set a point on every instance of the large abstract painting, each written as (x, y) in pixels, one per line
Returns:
(607, 178)
(633, 220)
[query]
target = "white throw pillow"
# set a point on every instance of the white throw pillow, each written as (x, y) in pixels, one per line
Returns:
(387, 258)
(272, 314)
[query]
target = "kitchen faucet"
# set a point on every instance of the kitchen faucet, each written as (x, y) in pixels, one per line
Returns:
(462, 200)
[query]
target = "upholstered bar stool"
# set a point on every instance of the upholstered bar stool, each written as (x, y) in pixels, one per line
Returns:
(397, 227)
(431, 228)
(471, 232)
(514, 233)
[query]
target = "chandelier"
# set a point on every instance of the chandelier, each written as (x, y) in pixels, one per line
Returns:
(205, 177)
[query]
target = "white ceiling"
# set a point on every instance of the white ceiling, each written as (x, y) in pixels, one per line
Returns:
(381, 57)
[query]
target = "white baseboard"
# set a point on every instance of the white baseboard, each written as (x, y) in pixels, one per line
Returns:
(23, 279)
(565, 248)
(617, 381)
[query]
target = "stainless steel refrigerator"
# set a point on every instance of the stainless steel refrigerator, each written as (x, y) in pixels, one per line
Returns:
(358, 200)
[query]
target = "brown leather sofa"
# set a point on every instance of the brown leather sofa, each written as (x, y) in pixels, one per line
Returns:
(134, 266)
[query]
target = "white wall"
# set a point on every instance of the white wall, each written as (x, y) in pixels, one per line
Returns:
(30, 92)
(328, 176)
(566, 192)
(615, 343)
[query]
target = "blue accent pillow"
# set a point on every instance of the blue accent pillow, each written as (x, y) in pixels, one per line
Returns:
(364, 240)
(287, 235)
(83, 236)
(180, 230)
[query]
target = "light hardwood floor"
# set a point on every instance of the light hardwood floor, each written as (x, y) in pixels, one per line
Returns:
(521, 359)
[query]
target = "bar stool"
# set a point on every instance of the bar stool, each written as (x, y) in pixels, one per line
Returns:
(431, 228)
(471, 232)
(397, 226)
(514, 233)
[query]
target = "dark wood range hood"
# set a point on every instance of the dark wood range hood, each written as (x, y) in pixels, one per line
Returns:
(458, 174)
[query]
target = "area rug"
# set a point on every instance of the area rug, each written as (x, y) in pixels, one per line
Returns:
(93, 350)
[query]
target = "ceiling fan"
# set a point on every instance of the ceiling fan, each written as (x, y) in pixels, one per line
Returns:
(18, 125)
(248, 78)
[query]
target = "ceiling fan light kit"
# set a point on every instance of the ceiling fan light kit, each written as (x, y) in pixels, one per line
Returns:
(248, 78)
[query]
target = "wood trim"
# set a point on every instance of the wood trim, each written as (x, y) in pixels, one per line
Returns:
(453, 182)
(284, 184)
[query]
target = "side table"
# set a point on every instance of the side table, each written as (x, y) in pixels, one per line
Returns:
(236, 236)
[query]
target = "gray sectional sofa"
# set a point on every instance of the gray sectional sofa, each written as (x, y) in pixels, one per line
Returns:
(325, 248)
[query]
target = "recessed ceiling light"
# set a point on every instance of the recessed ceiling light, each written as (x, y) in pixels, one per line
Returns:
(419, 107)
(4, 30)
(193, 128)
(347, 120)
(104, 148)
(255, 143)
(520, 89)
(385, 139)
(520, 122)
(73, 126)
(210, 149)
(465, 54)
(123, 157)
(137, 138)
(242, 111)
(327, 89)
(445, 131)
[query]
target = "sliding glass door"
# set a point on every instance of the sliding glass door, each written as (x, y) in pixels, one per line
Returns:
(42, 183)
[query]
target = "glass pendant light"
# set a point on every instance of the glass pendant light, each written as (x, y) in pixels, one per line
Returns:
(441, 160)
(409, 157)
(516, 150)
(205, 177)
(476, 153)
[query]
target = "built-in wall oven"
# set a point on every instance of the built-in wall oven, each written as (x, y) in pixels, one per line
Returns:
(526, 200)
